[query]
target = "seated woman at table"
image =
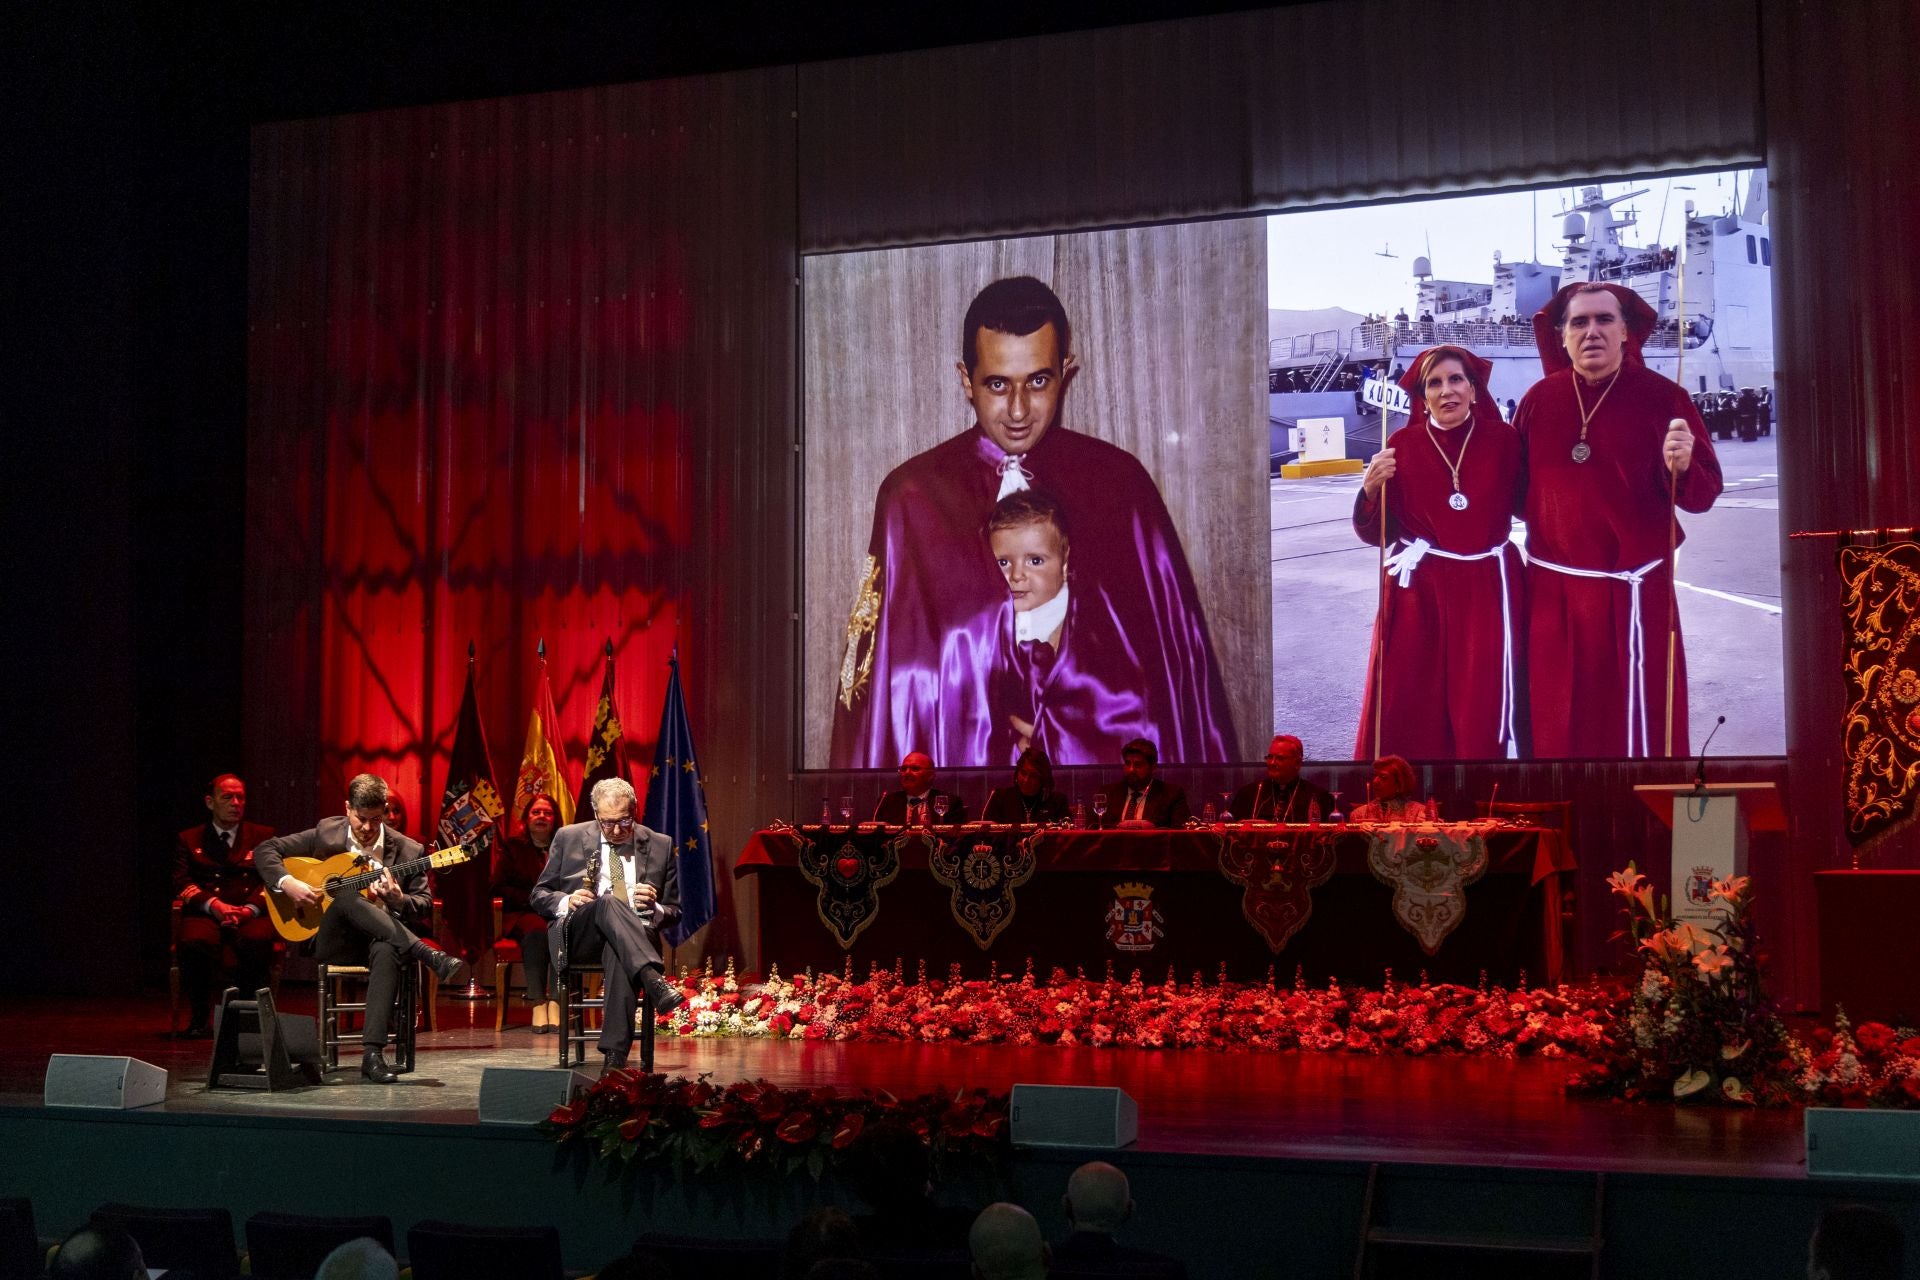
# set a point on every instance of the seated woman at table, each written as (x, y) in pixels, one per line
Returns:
(1392, 798)
(517, 863)
(1031, 798)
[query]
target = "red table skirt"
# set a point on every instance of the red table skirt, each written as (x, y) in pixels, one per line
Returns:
(1513, 912)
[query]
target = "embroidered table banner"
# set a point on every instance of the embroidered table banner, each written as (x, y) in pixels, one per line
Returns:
(1278, 868)
(983, 869)
(1429, 866)
(1880, 730)
(849, 867)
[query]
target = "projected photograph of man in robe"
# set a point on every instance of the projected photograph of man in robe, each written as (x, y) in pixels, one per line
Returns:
(1024, 583)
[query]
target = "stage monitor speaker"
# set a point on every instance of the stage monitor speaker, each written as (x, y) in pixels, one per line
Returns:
(1068, 1115)
(103, 1083)
(526, 1095)
(1851, 1143)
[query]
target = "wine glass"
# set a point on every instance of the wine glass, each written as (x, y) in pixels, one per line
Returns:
(1226, 806)
(826, 811)
(1100, 807)
(846, 808)
(941, 802)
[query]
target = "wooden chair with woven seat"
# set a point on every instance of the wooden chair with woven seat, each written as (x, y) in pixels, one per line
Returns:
(576, 1004)
(331, 1006)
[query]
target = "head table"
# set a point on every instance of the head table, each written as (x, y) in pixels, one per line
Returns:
(1452, 900)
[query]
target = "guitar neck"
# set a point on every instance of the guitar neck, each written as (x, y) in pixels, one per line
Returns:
(353, 884)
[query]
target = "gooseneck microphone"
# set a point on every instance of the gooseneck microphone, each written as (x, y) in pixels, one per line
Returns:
(1700, 765)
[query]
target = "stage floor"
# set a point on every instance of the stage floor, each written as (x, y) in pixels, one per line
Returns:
(1294, 1106)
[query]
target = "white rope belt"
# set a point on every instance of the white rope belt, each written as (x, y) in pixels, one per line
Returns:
(1406, 558)
(1636, 641)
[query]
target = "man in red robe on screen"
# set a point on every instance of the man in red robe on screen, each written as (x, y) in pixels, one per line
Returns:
(924, 638)
(1601, 435)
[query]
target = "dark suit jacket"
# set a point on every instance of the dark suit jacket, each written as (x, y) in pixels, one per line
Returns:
(892, 808)
(1096, 1253)
(1273, 799)
(1166, 804)
(330, 836)
(204, 869)
(575, 852)
(1007, 805)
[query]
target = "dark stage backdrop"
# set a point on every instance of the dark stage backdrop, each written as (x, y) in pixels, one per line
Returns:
(527, 367)
(520, 369)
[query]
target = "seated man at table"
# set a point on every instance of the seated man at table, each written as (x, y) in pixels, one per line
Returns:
(1283, 795)
(1140, 800)
(1031, 799)
(917, 804)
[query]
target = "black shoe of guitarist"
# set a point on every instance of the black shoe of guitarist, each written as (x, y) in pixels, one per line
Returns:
(450, 969)
(373, 1067)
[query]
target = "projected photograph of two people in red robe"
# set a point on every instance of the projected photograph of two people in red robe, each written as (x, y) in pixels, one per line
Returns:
(1024, 583)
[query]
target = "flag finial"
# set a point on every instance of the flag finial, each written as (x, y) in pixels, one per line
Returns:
(470, 651)
(541, 649)
(609, 646)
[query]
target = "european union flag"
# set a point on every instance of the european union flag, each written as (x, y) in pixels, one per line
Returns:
(677, 805)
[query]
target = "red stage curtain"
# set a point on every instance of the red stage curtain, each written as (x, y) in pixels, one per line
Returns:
(517, 370)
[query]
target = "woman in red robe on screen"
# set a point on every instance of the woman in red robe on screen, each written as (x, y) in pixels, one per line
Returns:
(1444, 671)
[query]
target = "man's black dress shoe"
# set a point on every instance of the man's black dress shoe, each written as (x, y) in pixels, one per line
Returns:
(198, 1031)
(664, 996)
(373, 1066)
(449, 968)
(612, 1059)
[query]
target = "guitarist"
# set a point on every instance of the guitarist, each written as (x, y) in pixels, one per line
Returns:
(609, 886)
(356, 929)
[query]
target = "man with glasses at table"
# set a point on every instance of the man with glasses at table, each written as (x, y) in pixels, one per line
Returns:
(609, 886)
(358, 930)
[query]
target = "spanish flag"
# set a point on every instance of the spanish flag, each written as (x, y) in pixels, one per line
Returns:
(543, 762)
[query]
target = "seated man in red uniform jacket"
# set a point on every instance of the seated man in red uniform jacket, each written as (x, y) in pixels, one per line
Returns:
(1141, 800)
(225, 936)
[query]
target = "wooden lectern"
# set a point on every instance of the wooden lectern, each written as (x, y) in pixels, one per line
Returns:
(1710, 827)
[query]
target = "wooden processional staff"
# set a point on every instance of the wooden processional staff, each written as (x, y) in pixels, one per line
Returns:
(1673, 475)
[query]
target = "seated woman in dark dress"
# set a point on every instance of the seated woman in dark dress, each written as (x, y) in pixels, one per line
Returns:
(517, 863)
(1031, 798)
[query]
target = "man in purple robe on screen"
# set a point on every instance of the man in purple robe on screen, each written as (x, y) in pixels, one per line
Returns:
(933, 633)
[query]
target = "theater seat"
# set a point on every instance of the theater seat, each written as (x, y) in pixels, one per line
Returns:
(711, 1259)
(20, 1251)
(291, 1246)
(453, 1251)
(195, 1240)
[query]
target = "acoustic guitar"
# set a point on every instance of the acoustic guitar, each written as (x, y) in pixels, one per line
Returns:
(340, 874)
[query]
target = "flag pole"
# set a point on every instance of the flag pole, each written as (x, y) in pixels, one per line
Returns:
(1380, 605)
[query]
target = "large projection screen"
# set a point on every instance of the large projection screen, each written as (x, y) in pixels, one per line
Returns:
(1203, 468)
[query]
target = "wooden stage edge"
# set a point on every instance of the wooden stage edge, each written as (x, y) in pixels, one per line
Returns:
(1436, 1110)
(1248, 1165)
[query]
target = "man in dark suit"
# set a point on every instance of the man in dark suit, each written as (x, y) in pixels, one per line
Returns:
(1031, 798)
(356, 930)
(225, 935)
(916, 804)
(1098, 1203)
(1283, 795)
(610, 886)
(1141, 800)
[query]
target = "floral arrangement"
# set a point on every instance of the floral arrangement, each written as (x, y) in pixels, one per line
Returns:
(1221, 1015)
(1875, 1065)
(1699, 1025)
(698, 1126)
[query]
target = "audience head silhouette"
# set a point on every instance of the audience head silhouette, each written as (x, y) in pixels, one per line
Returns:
(362, 1259)
(98, 1253)
(1097, 1198)
(1006, 1245)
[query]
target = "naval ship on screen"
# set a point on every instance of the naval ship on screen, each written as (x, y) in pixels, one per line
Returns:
(1728, 317)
